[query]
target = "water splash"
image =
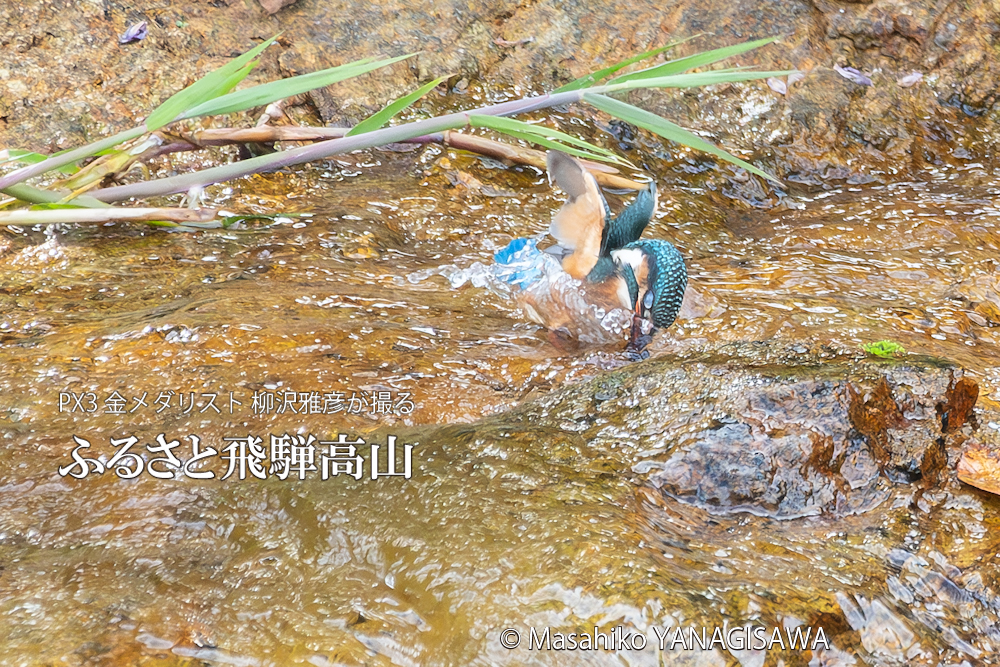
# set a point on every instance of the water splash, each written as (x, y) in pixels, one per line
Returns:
(541, 290)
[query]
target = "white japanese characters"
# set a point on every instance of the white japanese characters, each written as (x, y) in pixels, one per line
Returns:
(289, 456)
(374, 403)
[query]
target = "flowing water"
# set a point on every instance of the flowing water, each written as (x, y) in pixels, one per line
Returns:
(344, 321)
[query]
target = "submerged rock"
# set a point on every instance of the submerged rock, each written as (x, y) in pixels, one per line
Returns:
(741, 433)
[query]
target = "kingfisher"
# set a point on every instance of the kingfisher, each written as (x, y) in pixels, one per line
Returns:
(616, 269)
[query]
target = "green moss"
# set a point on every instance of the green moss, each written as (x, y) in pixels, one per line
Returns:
(885, 349)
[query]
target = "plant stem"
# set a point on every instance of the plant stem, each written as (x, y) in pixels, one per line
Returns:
(399, 133)
(56, 161)
(37, 196)
(606, 175)
(379, 137)
(56, 216)
(325, 149)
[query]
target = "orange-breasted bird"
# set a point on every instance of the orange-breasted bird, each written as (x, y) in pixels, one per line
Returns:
(616, 268)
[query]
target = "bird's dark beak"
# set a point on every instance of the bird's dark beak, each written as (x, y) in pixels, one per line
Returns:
(638, 339)
(641, 333)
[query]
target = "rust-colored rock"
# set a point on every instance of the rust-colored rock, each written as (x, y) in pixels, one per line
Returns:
(908, 449)
(957, 409)
(806, 447)
(980, 467)
(874, 412)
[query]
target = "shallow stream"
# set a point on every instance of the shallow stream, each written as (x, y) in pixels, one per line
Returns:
(500, 525)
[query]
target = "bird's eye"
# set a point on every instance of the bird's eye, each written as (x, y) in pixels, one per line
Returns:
(647, 300)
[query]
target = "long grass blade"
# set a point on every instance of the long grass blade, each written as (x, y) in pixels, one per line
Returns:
(407, 131)
(68, 157)
(229, 85)
(594, 77)
(545, 136)
(277, 90)
(693, 80)
(555, 145)
(379, 119)
(690, 62)
(666, 129)
(36, 196)
(30, 157)
(212, 85)
(53, 216)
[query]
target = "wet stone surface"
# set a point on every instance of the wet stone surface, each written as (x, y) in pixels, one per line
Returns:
(824, 124)
(849, 456)
(812, 436)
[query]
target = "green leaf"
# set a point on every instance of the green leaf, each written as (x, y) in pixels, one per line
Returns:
(37, 196)
(379, 119)
(695, 79)
(63, 158)
(54, 207)
(594, 77)
(232, 81)
(555, 145)
(278, 90)
(29, 157)
(666, 129)
(546, 136)
(208, 87)
(696, 60)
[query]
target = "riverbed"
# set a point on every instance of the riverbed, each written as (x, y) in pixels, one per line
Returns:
(337, 321)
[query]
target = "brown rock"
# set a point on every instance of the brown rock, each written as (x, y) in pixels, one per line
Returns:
(957, 408)
(272, 6)
(750, 429)
(61, 49)
(980, 467)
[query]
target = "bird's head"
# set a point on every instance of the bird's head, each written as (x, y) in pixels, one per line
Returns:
(654, 274)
